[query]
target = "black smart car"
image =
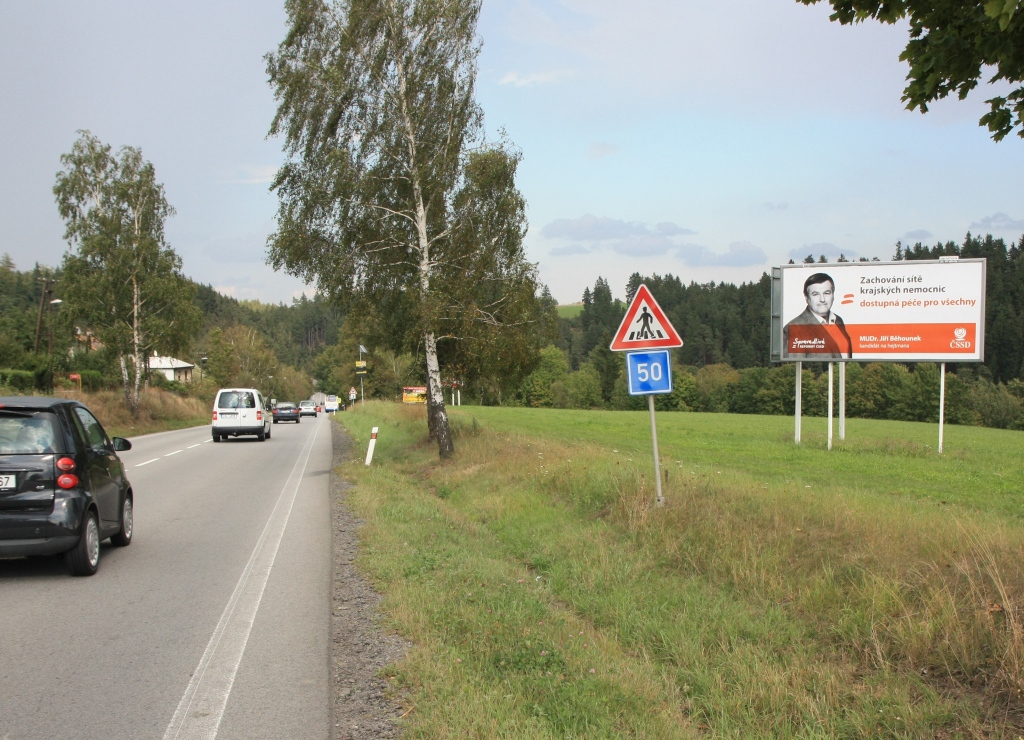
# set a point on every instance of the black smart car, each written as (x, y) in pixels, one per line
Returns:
(62, 485)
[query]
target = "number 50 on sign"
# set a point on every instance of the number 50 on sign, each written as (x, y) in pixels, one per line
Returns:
(649, 372)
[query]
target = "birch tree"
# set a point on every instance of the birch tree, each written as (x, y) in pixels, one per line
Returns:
(120, 276)
(377, 111)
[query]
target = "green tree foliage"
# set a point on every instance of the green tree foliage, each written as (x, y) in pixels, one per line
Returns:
(121, 278)
(378, 113)
(952, 44)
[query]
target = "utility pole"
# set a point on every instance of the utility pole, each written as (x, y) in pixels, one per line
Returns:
(47, 282)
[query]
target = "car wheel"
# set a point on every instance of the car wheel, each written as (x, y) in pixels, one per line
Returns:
(123, 538)
(216, 437)
(298, 421)
(84, 558)
(261, 435)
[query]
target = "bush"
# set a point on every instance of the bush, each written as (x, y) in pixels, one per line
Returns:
(19, 380)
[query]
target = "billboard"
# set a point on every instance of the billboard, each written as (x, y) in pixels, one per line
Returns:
(414, 394)
(910, 311)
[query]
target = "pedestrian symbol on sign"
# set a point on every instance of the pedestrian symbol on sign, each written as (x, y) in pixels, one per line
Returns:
(645, 326)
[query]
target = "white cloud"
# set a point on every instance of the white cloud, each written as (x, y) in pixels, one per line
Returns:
(537, 78)
(253, 175)
(818, 249)
(590, 234)
(602, 149)
(568, 250)
(740, 254)
(998, 223)
(917, 235)
(599, 229)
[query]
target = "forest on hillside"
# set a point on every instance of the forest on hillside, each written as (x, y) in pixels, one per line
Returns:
(723, 366)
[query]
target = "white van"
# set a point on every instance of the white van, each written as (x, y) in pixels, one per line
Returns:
(239, 411)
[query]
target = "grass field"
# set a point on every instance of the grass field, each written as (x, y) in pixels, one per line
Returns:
(569, 312)
(872, 591)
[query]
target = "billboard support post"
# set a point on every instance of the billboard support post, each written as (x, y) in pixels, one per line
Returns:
(831, 401)
(660, 500)
(842, 401)
(799, 400)
(942, 403)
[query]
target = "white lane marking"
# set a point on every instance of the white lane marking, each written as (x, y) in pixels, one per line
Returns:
(195, 445)
(147, 462)
(208, 440)
(202, 706)
(173, 453)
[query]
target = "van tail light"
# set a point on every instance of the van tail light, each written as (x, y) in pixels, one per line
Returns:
(65, 464)
(259, 416)
(215, 416)
(68, 480)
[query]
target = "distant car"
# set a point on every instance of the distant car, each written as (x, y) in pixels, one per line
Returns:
(62, 486)
(240, 411)
(287, 412)
(308, 408)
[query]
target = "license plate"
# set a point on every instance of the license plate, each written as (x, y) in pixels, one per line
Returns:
(8, 482)
(231, 414)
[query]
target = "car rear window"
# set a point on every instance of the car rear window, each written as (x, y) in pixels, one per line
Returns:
(28, 433)
(305, 403)
(286, 406)
(236, 400)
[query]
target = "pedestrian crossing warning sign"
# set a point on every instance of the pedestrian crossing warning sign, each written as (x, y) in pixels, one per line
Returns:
(645, 326)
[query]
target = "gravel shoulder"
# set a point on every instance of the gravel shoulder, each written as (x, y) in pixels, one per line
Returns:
(362, 704)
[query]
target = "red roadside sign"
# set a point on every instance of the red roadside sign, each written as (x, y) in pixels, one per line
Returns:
(645, 326)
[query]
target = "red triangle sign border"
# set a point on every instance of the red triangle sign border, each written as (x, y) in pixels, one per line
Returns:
(621, 344)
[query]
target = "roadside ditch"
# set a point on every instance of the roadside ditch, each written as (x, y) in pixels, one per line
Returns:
(362, 703)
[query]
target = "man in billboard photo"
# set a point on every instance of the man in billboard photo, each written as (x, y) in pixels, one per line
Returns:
(817, 333)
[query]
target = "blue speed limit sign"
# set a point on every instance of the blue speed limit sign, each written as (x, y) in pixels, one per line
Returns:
(649, 372)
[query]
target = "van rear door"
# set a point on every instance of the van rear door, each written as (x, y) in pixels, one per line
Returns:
(236, 409)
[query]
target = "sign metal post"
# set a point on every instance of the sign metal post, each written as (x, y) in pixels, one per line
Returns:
(842, 400)
(942, 403)
(831, 399)
(799, 401)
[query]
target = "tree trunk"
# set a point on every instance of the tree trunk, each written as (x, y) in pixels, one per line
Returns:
(435, 404)
(127, 384)
(431, 430)
(136, 353)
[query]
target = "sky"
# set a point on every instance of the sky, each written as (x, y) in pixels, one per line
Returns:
(706, 140)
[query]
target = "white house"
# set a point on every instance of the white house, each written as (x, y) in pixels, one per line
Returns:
(171, 368)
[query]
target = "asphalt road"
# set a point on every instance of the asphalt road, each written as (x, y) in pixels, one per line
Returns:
(214, 622)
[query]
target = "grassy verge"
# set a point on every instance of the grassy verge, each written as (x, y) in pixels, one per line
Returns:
(159, 411)
(783, 592)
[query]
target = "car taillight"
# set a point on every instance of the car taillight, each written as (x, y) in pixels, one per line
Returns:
(215, 416)
(65, 464)
(259, 416)
(68, 480)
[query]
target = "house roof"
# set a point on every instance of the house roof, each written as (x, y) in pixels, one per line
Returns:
(167, 363)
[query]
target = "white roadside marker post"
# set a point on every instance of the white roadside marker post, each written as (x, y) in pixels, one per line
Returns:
(373, 443)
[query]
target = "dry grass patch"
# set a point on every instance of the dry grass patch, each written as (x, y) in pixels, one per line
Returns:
(159, 411)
